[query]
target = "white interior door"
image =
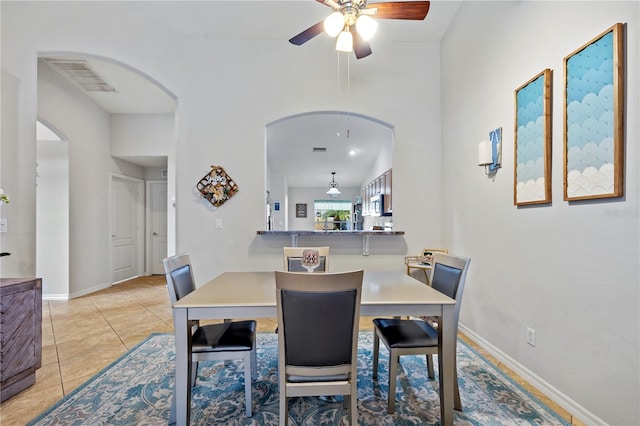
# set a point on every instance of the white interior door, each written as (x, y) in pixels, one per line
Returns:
(124, 229)
(158, 218)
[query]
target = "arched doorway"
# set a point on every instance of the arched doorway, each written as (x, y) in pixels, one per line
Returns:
(118, 122)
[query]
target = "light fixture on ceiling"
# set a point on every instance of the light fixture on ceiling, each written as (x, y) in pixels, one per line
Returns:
(333, 24)
(333, 186)
(345, 41)
(339, 24)
(352, 22)
(366, 26)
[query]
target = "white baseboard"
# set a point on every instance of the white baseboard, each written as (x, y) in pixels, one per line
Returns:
(93, 289)
(83, 292)
(126, 279)
(561, 399)
(54, 296)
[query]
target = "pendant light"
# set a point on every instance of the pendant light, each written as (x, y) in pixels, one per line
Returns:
(333, 187)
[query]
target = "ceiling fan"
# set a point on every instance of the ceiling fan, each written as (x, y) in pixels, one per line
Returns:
(352, 22)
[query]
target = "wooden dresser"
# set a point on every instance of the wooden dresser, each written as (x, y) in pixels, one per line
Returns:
(20, 334)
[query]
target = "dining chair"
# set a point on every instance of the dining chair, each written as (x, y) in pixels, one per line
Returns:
(293, 258)
(318, 317)
(231, 340)
(423, 262)
(416, 336)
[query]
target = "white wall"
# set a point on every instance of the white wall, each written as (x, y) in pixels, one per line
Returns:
(277, 187)
(567, 270)
(52, 217)
(381, 164)
(155, 173)
(141, 134)
(19, 186)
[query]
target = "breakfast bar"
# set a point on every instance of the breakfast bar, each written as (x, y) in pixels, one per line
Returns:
(366, 235)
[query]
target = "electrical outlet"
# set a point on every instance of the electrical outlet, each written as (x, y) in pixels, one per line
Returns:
(531, 336)
(3, 225)
(218, 223)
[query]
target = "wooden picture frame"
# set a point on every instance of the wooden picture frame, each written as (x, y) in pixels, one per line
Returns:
(301, 210)
(532, 141)
(594, 118)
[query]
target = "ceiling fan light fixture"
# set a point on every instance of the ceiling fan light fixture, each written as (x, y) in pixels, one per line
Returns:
(345, 41)
(366, 27)
(333, 24)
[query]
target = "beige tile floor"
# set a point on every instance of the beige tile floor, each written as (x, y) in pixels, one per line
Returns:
(82, 336)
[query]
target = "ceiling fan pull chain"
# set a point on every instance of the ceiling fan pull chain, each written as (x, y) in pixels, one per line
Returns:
(348, 94)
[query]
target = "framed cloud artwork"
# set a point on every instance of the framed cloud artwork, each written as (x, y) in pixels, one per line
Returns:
(532, 144)
(594, 118)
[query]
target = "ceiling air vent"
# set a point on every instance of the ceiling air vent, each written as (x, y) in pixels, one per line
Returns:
(80, 73)
(315, 149)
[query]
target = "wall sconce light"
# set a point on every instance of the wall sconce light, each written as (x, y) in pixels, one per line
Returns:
(490, 152)
(485, 155)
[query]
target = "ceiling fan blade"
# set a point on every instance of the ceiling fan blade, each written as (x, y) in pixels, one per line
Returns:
(361, 47)
(329, 3)
(307, 34)
(413, 10)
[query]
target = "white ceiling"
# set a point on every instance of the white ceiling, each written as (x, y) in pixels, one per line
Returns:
(246, 19)
(281, 20)
(290, 144)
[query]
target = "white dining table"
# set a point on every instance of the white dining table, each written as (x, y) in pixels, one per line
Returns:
(253, 295)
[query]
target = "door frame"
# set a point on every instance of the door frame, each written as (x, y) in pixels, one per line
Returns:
(147, 232)
(140, 222)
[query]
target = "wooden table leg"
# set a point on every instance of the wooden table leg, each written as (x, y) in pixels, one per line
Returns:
(447, 364)
(181, 402)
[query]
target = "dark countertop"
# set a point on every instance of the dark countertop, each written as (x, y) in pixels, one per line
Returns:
(325, 233)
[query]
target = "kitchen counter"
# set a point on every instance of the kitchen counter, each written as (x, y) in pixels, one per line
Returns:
(366, 235)
(333, 232)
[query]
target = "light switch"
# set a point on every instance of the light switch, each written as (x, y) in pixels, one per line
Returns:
(218, 223)
(3, 225)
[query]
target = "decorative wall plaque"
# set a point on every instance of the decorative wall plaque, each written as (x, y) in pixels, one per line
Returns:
(301, 210)
(217, 186)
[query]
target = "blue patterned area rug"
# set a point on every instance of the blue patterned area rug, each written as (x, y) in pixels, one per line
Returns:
(137, 388)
